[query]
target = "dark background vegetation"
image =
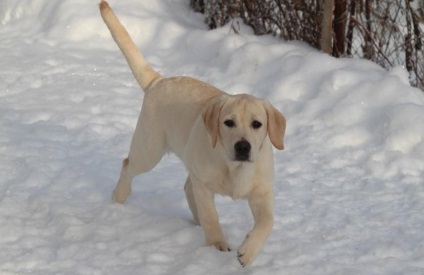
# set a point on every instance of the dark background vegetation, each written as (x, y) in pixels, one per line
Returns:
(388, 32)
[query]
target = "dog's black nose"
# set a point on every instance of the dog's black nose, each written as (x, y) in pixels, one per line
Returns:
(242, 149)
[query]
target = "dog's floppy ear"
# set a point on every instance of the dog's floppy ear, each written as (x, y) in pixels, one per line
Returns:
(211, 120)
(276, 126)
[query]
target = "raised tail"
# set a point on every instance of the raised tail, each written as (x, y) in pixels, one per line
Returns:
(143, 73)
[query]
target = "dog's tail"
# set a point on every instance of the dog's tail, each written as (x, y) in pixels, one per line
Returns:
(142, 72)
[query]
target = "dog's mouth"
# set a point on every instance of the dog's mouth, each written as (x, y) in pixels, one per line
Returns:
(242, 158)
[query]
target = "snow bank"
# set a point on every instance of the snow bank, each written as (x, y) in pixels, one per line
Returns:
(349, 185)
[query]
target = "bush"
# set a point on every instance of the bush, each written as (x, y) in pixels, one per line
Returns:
(387, 32)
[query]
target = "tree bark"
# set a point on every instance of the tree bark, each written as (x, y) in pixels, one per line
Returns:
(349, 37)
(326, 27)
(340, 18)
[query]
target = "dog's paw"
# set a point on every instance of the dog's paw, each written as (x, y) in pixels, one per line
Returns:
(120, 195)
(247, 252)
(245, 258)
(222, 246)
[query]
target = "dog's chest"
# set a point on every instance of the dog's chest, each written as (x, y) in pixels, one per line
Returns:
(238, 182)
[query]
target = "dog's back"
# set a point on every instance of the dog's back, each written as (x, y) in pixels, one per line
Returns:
(176, 103)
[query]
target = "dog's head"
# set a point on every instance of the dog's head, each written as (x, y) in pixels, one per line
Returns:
(240, 123)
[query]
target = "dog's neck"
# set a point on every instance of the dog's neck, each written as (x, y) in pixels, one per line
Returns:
(241, 178)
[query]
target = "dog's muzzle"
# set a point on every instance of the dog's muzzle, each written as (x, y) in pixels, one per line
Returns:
(242, 150)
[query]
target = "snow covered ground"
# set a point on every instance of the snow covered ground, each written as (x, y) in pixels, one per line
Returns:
(349, 185)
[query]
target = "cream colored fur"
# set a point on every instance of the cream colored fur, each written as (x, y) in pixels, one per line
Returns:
(189, 118)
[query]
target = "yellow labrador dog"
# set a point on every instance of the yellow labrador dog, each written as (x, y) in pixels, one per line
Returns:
(225, 142)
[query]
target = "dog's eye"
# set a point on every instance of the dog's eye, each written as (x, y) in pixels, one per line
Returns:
(230, 123)
(256, 124)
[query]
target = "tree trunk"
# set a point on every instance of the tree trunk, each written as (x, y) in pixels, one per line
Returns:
(349, 37)
(340, 18)
(368, 47)
(326, 27)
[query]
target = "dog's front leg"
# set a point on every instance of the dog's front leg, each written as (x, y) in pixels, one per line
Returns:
(262, 209)
(208, 216)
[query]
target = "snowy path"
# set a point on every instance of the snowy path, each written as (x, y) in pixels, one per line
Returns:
(349, 186)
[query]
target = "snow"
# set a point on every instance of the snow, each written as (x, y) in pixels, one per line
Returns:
(349, 186)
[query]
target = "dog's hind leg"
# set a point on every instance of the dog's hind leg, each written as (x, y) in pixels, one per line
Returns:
(147, 149)
(123, 188)
(188, 188)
